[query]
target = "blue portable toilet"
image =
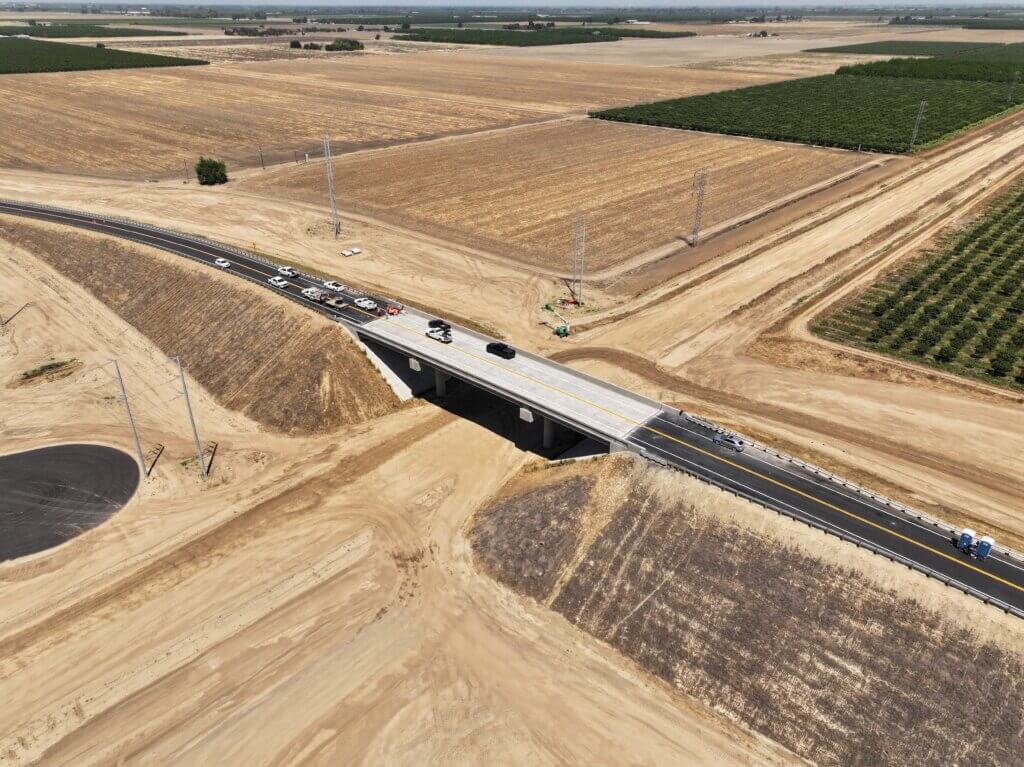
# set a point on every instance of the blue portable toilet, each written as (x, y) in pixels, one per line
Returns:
(965, 540)
(984, 547)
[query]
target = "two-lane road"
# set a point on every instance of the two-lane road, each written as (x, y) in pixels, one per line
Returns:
(618, 416)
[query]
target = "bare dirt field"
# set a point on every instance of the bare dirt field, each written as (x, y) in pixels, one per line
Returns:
(299, 607)
(286, 106)
(515, 192)
(235, 340)
(788, 65)
(797, 637)
(697, 345)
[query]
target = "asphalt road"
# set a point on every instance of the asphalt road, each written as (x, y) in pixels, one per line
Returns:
(50, 495)
(665, 436)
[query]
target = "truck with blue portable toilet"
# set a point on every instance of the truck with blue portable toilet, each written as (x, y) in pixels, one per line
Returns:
(984, 547)
(966, 540)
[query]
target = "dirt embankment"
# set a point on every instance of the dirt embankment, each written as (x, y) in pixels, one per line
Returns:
(288, 370)
(761, 620)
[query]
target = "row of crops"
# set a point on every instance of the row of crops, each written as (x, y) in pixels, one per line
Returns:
(872, 106)
(960, 308)
(871, 113)
(546, 36)
(80, 30)
(19, 56)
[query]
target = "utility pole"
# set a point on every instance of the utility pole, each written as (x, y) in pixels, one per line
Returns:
(191, 420)
(330, 186)
(917, 124)
(260, 150)
(131, 420)
(1013, 86)
(185, 163)
(579, 250)
(700, 180)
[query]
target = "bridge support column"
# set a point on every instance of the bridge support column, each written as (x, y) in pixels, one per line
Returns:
(440, 383)
(549, 433)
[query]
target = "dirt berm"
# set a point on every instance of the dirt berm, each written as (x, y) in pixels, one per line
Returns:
(802, 638)
(287, 369)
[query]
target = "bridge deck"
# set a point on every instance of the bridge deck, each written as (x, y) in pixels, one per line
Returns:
(609, 412)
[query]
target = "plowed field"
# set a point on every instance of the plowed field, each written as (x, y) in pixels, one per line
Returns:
(515, 192)
(133, 123)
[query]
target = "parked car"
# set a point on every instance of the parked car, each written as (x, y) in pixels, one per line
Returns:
(729, 441)
(439, 335)
(223, 263)
(440, 324)
(279, 282)
(336, 302)
(287, 271)
(502, 350)
(366, 303)
(337, 287)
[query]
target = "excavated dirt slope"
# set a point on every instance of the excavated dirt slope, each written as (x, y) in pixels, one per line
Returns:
(814, 654)
(287, 369)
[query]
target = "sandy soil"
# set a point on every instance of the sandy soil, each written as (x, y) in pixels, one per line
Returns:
(304, 375)
(284, 107)
(808, 641)
(515, 193)
(954, 450)
(302, 607)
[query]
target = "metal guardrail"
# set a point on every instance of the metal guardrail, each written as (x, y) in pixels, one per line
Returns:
(835, 479)
(841, 482)
(858, 542)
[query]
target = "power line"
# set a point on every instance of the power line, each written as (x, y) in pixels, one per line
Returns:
(191, 419)
(917, 124)
(700, 180)
(579, 251)
(131, 420)
(330, 186)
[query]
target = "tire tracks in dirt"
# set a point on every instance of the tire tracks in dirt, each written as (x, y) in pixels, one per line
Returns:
(234, 533)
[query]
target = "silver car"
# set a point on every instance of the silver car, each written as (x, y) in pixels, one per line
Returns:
(730, 441)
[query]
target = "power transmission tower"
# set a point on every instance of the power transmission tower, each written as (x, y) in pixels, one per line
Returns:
(330, 186)
(1013, 86)
(191, 420)
(917, 124)
(579, 250)
(700, 181)
(131, 420)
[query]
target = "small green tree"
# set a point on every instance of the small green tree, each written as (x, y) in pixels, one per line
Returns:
(210, 171)
(100, 45)
(295, 44)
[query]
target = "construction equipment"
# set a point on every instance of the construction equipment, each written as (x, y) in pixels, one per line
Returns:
(562, 331)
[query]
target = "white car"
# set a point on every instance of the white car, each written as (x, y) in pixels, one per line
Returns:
(355, 251)
(279, 282)
(287, 271)
(223, 263)
(366, 303)
(313, 294)
(347, 253)
(439, 334)
(337, 287)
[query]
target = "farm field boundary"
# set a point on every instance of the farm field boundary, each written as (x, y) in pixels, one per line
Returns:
(19, 56)
(958, 309)
(84, 30)
(872, 113)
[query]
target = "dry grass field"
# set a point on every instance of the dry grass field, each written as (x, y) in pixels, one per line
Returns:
(303, 375)
(129, 123)
(754, 617)
(514, 192)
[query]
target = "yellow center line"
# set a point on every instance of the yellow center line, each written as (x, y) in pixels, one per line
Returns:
(759, 475)
(642, 425)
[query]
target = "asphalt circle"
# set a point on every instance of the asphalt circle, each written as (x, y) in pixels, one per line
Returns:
(52, 494)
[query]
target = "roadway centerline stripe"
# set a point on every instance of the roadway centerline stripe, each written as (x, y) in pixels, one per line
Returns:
(752, 472)
(645, 426)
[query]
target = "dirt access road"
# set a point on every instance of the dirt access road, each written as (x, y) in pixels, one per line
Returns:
(937, 445)
(301, 607)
